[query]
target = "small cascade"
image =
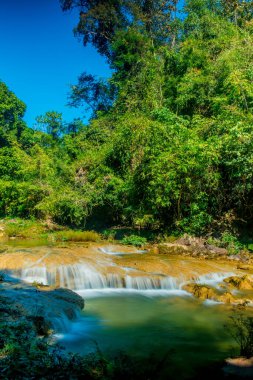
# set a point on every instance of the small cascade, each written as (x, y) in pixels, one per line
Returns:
(81, 276)
(36, 274)
(85, 277)
(213, 278)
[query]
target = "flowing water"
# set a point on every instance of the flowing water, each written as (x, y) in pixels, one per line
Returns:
(134, 302)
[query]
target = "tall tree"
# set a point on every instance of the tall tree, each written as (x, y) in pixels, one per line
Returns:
(100, 20)
(51, 123)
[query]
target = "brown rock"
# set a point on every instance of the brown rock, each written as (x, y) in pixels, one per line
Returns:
(241, 283)
(200, 291)
(225, 298)
(245, 266)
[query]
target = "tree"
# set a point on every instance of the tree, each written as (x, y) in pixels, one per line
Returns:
(51, 123)
(12, 111)
(100, 20)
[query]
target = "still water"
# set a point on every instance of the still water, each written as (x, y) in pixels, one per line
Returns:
(190, 332)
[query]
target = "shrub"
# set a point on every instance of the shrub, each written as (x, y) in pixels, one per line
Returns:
(78, 236)
(250, 247)
(134, 240)
(241, 329)
(109, 235)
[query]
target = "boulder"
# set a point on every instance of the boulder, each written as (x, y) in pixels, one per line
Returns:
(68, 296)
(202, 292)
(240, 283)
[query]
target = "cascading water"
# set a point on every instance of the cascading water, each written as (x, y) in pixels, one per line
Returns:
(82, 276)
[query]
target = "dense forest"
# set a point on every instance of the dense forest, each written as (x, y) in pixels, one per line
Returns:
(169, 144)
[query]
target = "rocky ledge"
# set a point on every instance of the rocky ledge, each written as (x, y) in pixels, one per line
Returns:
(234, 290)
(47, 310)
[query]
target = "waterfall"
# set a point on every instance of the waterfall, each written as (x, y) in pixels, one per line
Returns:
(83, 276)
(213, 278)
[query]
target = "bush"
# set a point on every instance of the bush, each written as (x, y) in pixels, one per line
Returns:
(78, 236)
(241, 329)
(109, 235)
(228, 241)
(250, 247)
(134, 240)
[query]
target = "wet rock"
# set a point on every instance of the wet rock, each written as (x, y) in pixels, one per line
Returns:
(226, 298)
(205, 292)
(46, 310)
(69, 296)
(200, 291)
(240, 283)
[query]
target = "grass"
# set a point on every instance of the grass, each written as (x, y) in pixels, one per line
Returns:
(24, 229)
(34, 229)
(78, 236)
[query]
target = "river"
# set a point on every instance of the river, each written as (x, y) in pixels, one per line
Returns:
(134, 302)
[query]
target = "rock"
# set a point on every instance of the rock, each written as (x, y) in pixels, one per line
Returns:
(216, 250)
(174, 249)
(200, 291)
(69, 296)
(46, 310)
(205, 292)
(245, 266)
(225, 298)
(239, 367)
(241, 283)
(192, 246)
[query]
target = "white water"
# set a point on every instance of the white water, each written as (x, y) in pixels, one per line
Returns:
(213, 278)
(88, 281)
(83, 276)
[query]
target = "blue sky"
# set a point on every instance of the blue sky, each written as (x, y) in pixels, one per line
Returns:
(40, 57)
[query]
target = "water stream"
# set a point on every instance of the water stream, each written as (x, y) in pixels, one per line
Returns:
(134, 302)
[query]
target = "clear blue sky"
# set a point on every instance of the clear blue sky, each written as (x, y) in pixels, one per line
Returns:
(40, 57)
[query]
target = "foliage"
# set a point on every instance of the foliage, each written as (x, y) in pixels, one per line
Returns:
(134, 240)
(23, 228)
(241, 328)
(229, 241)
(169, 146)
(23, 355)
(78, 236)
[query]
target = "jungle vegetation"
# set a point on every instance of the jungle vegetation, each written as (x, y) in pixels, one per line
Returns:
(169, 144)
